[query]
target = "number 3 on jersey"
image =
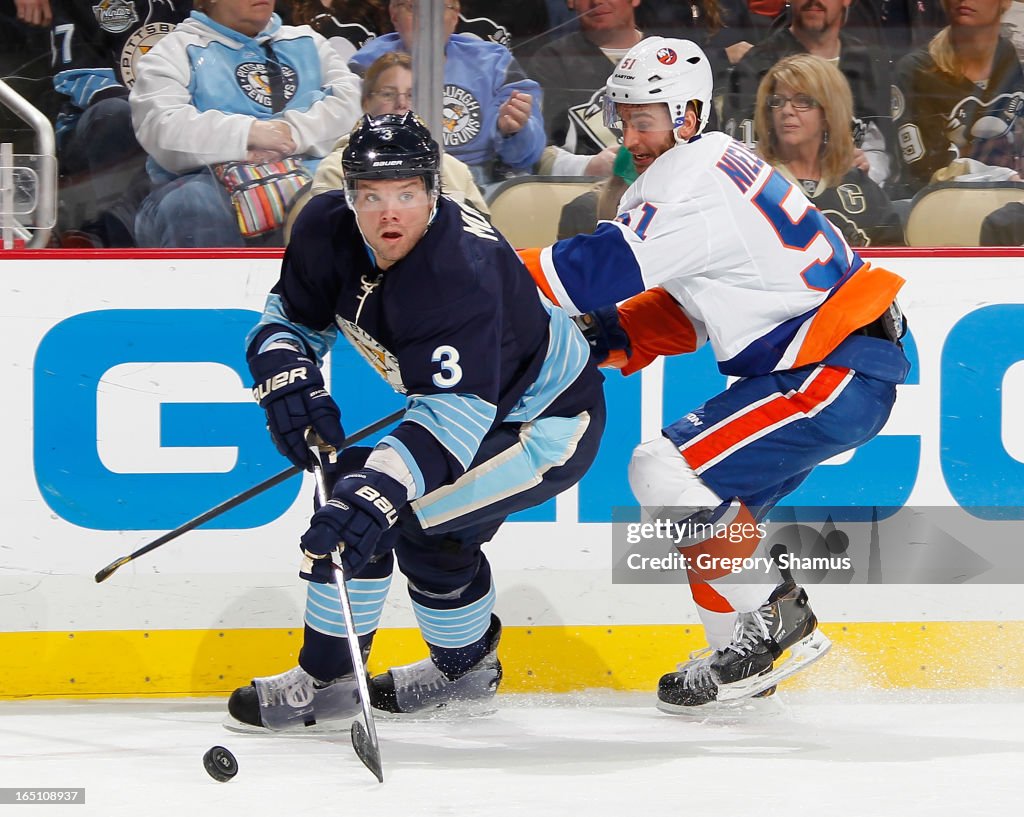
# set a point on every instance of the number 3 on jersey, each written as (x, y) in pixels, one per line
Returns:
(451, 371)
(809, 232)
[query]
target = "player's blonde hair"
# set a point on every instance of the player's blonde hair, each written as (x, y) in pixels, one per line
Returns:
(826, 85)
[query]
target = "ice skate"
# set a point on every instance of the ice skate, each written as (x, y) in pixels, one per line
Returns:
(422, 690)
(292, 700)
(746, 667)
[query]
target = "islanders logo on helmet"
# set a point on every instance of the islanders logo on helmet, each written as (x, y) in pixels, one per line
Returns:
(666, 56)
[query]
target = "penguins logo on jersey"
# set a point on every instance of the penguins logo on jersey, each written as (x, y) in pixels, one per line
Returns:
(666, 56)
(973, 119)
(252, 79)
(137, 46)
(115, 16)
(460, 116)
(385, 363)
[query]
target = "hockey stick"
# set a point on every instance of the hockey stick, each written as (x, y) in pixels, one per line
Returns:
(364, 739)
(238, 499)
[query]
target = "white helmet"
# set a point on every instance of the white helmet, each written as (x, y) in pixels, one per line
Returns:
(661, 69)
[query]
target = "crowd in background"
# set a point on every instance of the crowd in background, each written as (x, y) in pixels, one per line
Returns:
(206, 123)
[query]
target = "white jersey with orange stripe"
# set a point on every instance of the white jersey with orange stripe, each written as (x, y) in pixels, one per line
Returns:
(738, 246)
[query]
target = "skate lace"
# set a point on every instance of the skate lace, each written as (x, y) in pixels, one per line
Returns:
(751, 631)
(697, 671)
(424, 675)
(293, 688)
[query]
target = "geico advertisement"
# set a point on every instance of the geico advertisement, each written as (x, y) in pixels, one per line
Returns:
(127, 407)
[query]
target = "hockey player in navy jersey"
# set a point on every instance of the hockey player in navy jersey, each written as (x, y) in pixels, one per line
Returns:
(712, 244)
(505, 410)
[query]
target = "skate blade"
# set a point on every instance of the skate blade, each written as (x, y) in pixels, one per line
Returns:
(801, 655)
(321, 728)
(739, 710)
(451, 711)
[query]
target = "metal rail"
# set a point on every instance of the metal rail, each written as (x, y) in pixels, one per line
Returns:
(46, 192)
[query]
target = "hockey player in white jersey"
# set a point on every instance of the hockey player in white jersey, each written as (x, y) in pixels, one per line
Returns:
(718, 247)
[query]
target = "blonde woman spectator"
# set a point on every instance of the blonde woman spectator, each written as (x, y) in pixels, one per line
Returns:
(802, 122)
(960, 98)
(231, 84)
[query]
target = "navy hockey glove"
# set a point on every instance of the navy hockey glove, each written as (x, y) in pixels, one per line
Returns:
(605, 335)
(363, 505)
(290, 389)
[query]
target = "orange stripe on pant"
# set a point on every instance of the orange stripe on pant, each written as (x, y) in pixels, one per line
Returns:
(783, 408)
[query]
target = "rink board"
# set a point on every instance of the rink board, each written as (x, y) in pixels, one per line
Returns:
(126, 413)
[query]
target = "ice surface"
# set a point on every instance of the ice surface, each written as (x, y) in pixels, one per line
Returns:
(802, 754)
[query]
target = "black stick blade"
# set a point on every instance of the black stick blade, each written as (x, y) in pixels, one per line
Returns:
(367, 750)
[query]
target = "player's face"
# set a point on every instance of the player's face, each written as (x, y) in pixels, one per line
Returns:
(646, 132)
(819, 15)
(404, 15)
(974, 13)
(606, 15)
(249, 17)
(393, 93)
(393, 215)
(796, 130)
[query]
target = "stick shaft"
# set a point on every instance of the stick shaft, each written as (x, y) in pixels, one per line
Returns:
(238, 499)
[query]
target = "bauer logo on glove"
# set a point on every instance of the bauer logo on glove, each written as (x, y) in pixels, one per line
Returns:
(380, 502)
(279, 381)
(290, 389)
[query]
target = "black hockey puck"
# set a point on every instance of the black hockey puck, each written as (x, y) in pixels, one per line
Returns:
(220, 764)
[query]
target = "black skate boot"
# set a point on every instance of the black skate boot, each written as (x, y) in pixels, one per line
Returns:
(691, 685)
(746, 667)
(293, 699)
(422, 689)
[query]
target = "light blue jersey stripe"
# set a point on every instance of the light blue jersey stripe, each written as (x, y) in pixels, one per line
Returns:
(458, 421)
(568, 353)
(323, 609)
(458, 627)
(273, 313)
(544, 444)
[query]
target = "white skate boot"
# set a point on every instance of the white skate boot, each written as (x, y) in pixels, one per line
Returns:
(293, 699)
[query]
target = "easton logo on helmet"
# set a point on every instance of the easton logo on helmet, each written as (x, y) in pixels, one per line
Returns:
(666, 56)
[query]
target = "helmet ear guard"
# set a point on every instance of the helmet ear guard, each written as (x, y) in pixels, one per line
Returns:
(662, 69)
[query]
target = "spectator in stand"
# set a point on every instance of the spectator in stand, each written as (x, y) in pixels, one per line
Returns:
(961, 97)
(815, 28)
(387, 88)
(573, 71)
(803, 127)
(491, 109)
(722, 28)
(232, 85)
(96, 51)
(347, 25)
